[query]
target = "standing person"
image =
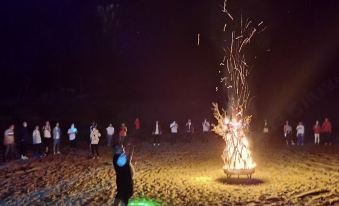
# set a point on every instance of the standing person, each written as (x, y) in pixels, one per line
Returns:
(317, 130)
(93, 125)
(72, 132)
(110, 133)
(300, 134)
(174, 131)
(137, 128)
(206, 126)
(24, 137)
(37, 143)
(156, 134)
(137, 125)
(9, 143)
(56, 139)
(47, 132)
(189, 130)
(123, 134)
(327, 131)
(266, 129)
(288, 133)
(124, 171)
(95, 138)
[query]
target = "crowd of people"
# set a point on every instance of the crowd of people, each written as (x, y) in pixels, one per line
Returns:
(188, 130)
(322, 133)
(46, 140)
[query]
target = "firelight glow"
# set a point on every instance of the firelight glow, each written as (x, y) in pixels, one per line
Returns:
(236, 155)
(202, 179)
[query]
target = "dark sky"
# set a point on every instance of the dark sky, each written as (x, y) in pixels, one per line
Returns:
(149, 54)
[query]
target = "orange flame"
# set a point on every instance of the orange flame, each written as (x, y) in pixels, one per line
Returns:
(236, 154)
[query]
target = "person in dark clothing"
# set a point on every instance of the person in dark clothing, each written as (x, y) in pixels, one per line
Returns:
(156, 134)
(24, 137)
(189, 131)
(124, 174)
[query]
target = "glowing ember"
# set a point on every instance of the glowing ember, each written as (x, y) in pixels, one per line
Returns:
(233, 124)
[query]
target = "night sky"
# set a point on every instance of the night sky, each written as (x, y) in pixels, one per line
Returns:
(59, 58)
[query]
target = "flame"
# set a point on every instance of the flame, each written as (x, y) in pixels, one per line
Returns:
(236, 155)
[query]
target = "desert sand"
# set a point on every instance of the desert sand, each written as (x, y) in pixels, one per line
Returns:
(180, 174)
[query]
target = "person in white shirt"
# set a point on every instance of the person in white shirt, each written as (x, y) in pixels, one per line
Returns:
(93, 125)
(37, 143)
(300, 133)
(72, 132)
(206, 126)
(47, 134)
(110, 133)
(56, 139)
(9, 142)
(156, 134)
(95, 138)
(317, 131)
(174, 131)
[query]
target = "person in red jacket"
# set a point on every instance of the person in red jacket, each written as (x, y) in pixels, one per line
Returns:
(316, 130)
(137, 133)
(123, 134)
(327, 131)
(137, 124)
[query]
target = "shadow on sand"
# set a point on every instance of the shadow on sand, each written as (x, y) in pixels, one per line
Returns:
(239, 181)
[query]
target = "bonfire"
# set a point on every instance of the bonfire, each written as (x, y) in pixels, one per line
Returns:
(233, 123)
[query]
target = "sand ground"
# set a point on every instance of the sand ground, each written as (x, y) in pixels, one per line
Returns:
(180, 174)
